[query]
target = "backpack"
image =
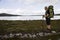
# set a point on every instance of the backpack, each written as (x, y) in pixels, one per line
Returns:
(51, 11)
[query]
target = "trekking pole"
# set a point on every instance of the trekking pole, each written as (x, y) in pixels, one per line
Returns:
(43, 25)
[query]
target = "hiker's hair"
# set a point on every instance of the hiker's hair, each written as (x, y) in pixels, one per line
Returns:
(45, 7)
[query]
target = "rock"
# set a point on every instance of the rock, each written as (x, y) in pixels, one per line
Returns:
(53, 31)
(11, 35)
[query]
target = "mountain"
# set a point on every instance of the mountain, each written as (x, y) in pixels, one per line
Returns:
(5, 14)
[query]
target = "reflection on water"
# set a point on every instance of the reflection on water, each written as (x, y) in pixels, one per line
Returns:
(25, 18)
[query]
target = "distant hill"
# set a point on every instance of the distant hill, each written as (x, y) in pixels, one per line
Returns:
(57, 14)
(5, 14)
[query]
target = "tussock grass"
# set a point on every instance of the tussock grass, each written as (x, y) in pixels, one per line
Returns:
(26, 26)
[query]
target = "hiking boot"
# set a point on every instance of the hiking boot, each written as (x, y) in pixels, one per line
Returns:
(48, 31)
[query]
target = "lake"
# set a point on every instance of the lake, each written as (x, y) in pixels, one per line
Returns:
(26, 18)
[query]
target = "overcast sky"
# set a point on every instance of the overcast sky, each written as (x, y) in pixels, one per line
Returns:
(27, 6)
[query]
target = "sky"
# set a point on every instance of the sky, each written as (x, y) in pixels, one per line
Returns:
(27, 7)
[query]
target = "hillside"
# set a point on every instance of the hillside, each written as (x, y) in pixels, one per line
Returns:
(5, 14)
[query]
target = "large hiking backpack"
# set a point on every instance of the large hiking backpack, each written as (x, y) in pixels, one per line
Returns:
(51, 11)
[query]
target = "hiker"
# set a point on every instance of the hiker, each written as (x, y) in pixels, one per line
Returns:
(48, 15)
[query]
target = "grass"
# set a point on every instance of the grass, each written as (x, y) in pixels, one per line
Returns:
(17, 26)
(27, 26)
